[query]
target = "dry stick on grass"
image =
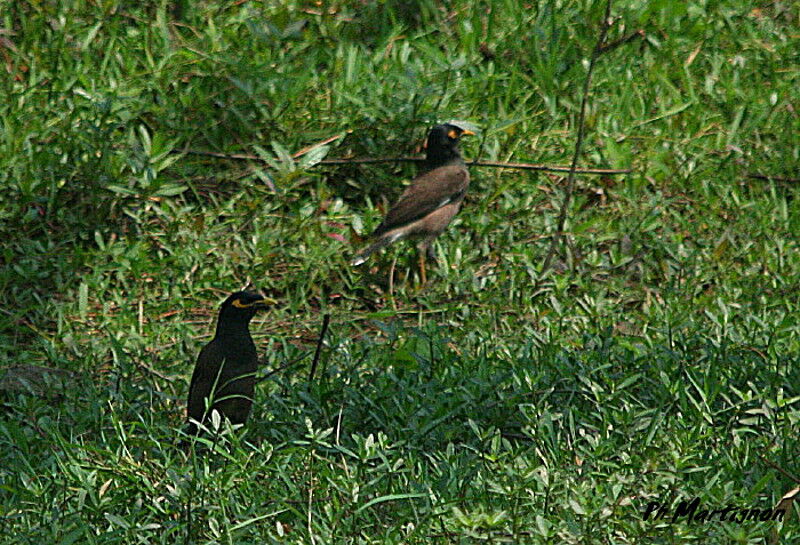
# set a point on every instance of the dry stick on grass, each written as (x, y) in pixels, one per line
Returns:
(320, 144)
(779, 469)
(287, 365)
(769, 178)
(477, 163)
(372, 160)
(629, 38)
(568, 191)
(326, 320)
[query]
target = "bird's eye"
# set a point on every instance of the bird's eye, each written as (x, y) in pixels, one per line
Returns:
(452, 134)
(239, 304)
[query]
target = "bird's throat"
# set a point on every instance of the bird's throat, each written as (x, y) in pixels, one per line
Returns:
(233, 329)
(442, 157)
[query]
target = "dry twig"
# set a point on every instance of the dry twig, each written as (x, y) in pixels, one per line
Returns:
(569, 190)
(326, 320)
(373, 160)
(770, 178)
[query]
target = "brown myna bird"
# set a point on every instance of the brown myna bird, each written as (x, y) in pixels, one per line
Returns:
(224, 375)
(428, 205)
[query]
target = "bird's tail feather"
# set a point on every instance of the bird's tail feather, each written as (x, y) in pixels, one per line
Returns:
(364, 254)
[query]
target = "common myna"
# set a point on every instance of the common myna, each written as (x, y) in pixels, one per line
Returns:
(428, 205)
(224, 375)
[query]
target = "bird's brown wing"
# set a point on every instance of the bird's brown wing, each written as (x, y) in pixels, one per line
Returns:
(426, 193)
(205, 374)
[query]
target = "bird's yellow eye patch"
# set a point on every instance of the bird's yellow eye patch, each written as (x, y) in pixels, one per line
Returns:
(452, 134)
(238, 304)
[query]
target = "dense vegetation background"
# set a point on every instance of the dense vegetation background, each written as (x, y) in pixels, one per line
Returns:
(657, 359)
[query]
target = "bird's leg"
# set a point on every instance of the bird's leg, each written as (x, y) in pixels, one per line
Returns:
(422, 272)
(426, 251)
(391, 282)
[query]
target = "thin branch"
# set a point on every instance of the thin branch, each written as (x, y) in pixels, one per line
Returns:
(373, 160)
(326, 320)
(477, 163)
(568, 191)
(232, 156)
(277, 370)
(779, 469)
(625, 39)
(769, 178)
(370, 160)
(319, 144)
(546, 168)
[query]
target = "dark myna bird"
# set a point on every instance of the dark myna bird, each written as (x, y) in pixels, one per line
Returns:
(428, 205)
(224, 375)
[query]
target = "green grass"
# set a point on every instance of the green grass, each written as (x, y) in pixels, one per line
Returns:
(658, 359)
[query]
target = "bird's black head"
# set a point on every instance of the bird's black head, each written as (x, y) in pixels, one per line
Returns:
(441, 147)
(239, 308)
